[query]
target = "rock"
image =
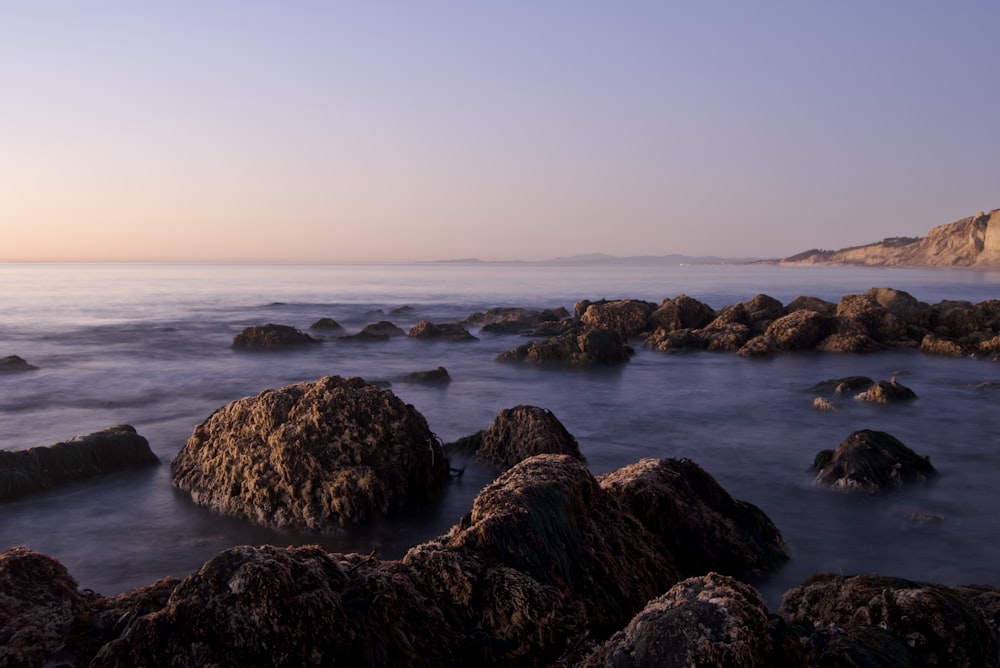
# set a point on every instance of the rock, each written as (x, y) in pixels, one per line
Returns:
(855, 620)
(35, 469)
(581, 346)
(803, 303)
(935, 345)
(956, 319)
(251, 606)
(902, 304)
(703, 527)
(271, 337)
(762, 310)
(839, 342)
(510, 319)
(759, 346)
(435, 376)
(878, 322)
(380, 331)
(15, 364)
(871, 461)
(316, 455)
(627, 317)
(38, 599)
(328, 324)
(887, 391)
(800, 330)
(425, 329)
(517, 434)
(844, 385)
(823, 404)
(711, 620)
(681, 312)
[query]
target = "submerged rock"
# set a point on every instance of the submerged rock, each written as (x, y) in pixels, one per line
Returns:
(425, 329)
(887, 391)
(711, 621)
(518, 433)
(383, 330)
(869, 462)
(328, 324)
(271, 337)
(15, 364)
(316, 455)
(113, 449)
(438, 376)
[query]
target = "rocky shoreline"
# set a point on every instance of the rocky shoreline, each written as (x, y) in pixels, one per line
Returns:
(652, 564)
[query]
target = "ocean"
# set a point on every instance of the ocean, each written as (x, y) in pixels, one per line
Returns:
(149, 345)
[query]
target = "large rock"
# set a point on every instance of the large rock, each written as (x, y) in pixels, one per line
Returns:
(800, 330)
(886, 392)
(436, 376)
(869, 462)
(681, 312)
(704, 528)
(627, 317)
(881, 324)
(113, 449)
(518, 433)
(872, 620)
(956, 319)
(902, 304)
(508, 319)
(271, 337)
(38, 600)
(317, 455)
(707, 621)
(580, 346)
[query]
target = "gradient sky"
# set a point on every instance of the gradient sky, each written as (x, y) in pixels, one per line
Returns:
(404, 131)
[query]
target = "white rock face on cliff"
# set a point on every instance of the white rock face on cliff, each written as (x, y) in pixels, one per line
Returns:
(970, 242)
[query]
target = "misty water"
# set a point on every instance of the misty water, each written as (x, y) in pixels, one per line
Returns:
(149, 345)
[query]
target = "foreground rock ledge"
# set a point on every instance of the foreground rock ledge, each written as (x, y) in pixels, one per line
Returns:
(35, 469)
(314, 455)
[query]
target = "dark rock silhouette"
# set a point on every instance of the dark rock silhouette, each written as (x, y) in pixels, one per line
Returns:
(518, 433)
(35, 469)
(580, 346)
(328, 324)
(316, 455)
(439, 376)
(271, 337)
(15, 364)
(871, 461)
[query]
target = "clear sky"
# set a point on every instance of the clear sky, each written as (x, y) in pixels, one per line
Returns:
(396, 131)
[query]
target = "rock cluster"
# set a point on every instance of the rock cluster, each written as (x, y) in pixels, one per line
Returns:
(39, 468)
(316, 455)
(425, 329)
(577, 346)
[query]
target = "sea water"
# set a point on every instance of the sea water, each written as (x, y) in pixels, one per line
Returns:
(150, 346)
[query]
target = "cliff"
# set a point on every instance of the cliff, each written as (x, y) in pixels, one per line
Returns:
(970, 242)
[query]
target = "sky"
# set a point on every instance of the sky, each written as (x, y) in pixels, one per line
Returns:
(307, 131)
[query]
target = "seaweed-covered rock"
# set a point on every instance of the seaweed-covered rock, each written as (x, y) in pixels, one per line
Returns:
(627, 317)
(113, 449)
(332, 452)
(425, 329)
(271, 337)
(518, 433)
(871, 461)
(438, 376)
(855, 620)
(580, 346)
(707, 621)
(887, 391)
(704, 528)
(38, 600)
(15, 364)
(681, 312)
(800, 330)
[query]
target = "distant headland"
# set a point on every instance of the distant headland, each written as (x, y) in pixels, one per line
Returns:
(970, 242)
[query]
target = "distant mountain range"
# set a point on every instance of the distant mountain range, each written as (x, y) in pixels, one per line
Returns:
(969, 242)
(604, 259)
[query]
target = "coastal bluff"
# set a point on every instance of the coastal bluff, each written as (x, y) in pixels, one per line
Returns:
(972, 242)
